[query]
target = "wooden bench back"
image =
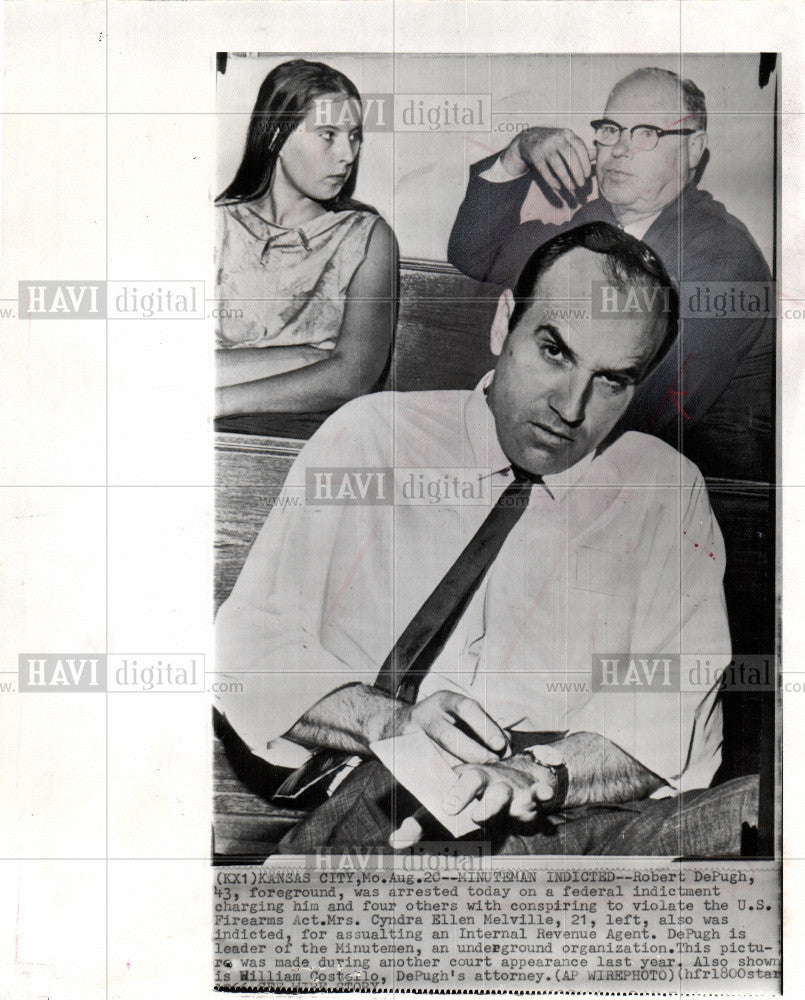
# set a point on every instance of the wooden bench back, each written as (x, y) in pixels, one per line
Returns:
(442, 339)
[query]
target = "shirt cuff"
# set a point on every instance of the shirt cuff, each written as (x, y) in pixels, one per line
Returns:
(498, 174)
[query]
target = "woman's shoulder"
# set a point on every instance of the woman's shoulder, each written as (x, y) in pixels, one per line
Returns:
(227, 215)
(358, 227)
(372, 242)
(381, 237)
(355, 213)
(368, 222)
(225, 208)
(360, 242)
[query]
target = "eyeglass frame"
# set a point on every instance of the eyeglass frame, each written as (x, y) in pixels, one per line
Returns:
(659, 132)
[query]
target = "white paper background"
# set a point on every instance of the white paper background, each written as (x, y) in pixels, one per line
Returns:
(106, 508)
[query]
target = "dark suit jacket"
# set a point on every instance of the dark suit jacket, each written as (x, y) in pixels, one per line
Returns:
(720, 372)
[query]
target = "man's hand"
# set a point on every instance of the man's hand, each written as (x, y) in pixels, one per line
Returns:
(558, 155)
(440, 716)
(516, 786)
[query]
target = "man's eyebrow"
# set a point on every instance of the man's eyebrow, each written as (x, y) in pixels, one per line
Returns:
(551, 330)
(633, 372)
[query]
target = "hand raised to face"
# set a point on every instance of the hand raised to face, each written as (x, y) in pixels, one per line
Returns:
(557, 155)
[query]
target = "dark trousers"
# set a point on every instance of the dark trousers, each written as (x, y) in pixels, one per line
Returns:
(369, 805)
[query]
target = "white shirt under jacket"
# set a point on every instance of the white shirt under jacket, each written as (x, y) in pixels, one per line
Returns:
(620, 554)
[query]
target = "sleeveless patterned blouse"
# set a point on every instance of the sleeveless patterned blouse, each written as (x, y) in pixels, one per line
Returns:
(289, 284)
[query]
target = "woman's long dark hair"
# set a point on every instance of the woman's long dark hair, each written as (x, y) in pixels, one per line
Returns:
(283, 101)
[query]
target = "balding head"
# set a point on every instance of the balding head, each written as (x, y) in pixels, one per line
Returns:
(639, 182)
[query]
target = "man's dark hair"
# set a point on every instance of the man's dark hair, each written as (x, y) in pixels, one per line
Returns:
(627, 262)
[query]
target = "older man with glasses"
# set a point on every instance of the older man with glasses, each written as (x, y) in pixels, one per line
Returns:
(713, 396)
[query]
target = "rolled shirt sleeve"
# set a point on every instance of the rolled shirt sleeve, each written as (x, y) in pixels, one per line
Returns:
(498, 174)
(275, 634)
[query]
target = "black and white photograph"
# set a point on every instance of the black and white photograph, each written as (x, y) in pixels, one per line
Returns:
(496, 452)
(402, 498)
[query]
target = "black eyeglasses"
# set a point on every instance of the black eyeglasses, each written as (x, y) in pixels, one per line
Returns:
(643, 137)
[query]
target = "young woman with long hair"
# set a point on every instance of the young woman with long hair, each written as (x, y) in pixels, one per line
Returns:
(307, 276)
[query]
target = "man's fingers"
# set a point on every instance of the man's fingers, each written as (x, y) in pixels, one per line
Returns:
(496, 795)
(559, 156)
(523, 804)
(495, 799)
(557, 164)
(409, 833)
(540, 165)
(486, 729)
(542, 791)
(583, 153)
(471, 782)
(459, 744)
(548, 754)
(575, 165)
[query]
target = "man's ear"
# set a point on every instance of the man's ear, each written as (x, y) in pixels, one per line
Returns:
(500, 324)
(697, 144)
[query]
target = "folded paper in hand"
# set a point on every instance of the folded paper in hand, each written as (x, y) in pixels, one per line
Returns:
(421, 766)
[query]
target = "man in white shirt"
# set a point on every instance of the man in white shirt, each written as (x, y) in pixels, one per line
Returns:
(617, 552)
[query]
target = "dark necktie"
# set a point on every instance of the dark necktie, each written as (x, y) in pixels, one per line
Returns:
(414, 652)
(421, 642)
